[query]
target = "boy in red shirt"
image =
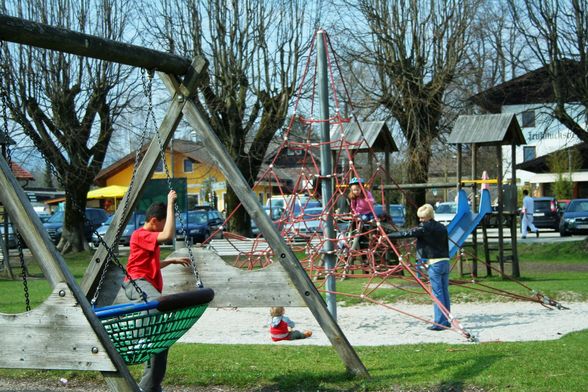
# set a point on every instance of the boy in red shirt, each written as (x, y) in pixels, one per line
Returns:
(144, 267)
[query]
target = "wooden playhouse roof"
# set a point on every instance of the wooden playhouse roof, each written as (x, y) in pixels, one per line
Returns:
(487, 129)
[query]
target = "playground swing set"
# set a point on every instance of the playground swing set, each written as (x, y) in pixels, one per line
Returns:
(73, 332)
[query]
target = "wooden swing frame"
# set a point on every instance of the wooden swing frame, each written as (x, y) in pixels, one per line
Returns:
(46, 322)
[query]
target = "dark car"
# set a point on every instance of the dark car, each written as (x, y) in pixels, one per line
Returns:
(300, 208)
(101, 230)
(11, 237)
(575, 218)
(396, 211)
(136, 220)
(563, 204)
(94, 218)
(546, 213)
(198, 225)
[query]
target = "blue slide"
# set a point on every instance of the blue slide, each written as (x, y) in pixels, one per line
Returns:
(465, 221)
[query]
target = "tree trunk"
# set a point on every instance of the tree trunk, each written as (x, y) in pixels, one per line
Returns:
(240, 222)
(73, 234)
(417, 173)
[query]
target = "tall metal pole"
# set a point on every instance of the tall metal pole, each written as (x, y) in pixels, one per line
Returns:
(326, 171)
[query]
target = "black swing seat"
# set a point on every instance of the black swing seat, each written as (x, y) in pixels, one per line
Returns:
(141, 330)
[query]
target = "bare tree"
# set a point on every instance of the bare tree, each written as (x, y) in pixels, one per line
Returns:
(65, 104)
(556, 34)
(253, 48)
(415, 49)
(496, 53)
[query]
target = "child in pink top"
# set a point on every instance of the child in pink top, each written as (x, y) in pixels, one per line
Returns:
(362, 200)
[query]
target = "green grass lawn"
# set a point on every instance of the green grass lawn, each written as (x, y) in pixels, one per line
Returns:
(560, 365)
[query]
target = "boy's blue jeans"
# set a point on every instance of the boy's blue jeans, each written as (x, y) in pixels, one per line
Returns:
(439, 278)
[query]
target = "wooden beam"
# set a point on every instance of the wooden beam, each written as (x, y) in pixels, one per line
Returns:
(283, 253)
(41, 35)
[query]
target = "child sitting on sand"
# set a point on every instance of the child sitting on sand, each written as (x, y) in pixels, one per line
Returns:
(281, 326)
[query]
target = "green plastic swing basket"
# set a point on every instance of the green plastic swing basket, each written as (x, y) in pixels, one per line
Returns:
(138, 335)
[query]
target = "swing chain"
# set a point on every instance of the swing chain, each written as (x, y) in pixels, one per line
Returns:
(147, 86)
(8, 158)
(24, 273)
(149, 93)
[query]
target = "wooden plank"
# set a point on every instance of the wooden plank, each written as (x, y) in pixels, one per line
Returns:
(284, 254)
(55, 38)
(233, 287)
(55, 335)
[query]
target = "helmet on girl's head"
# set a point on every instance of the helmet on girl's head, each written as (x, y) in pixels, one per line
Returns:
(356, 180)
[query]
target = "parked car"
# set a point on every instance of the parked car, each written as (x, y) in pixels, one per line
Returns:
(398, 214)
(102, 229)
(136, 220)
(575, 218)
(94, 218)
(11, 237)
(299, 208)
(507, 217)
(546, 213)
(198, 225)
(275, 214)
(563, 204)
(296, 204)
(43, 217)
(307, 224)
(445, 212)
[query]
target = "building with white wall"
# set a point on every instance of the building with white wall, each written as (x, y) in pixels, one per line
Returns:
(530, 97)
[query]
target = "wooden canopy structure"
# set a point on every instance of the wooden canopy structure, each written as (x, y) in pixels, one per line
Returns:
(365, 136)
(82, 340)
(492, 130)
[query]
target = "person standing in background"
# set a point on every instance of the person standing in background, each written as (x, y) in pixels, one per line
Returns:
(527, 215)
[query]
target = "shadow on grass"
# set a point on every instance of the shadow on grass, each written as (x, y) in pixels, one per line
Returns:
(450, 375)
(331, 381)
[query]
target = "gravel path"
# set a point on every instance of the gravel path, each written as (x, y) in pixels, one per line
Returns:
(372, 325)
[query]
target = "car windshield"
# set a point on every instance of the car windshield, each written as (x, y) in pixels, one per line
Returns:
(578, 206)
(56, 217)
(276, 212)
(396, 211)
(108, 221)
(196, 217)
(448, 208)
(542, 204)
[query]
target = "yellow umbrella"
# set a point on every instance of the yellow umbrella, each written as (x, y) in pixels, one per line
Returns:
(108, 192)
